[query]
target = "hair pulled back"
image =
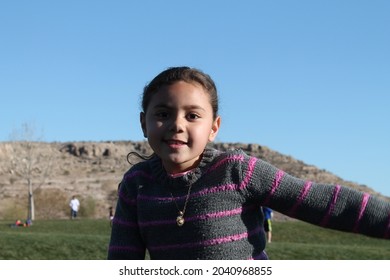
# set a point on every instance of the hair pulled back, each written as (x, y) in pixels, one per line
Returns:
(185, 74)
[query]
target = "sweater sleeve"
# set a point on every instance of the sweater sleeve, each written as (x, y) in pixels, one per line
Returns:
(326, 205)
(126, 242)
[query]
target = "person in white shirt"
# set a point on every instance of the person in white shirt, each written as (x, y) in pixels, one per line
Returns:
(74, 207)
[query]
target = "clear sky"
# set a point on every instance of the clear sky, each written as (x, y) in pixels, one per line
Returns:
(310, 79)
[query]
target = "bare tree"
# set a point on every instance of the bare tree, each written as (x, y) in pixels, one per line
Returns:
(29, 162)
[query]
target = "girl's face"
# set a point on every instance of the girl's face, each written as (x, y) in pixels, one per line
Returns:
(178, 124)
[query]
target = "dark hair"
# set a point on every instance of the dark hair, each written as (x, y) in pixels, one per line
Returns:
(185, 74)
(138, 155)
(169, 77)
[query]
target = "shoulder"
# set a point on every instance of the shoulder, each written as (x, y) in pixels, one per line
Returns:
(138, 175)
(235, 156)
(138, 171)
(218, 154)
(234, 161)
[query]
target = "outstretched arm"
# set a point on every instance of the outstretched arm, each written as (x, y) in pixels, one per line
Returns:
(326, 205)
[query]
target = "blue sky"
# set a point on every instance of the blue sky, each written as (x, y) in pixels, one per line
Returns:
(310, 79)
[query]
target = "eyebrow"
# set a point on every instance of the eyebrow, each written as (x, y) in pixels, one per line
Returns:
(167, 106)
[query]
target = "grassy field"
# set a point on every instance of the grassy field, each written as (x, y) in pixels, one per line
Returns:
(55, 240)
(302, 241)
(88, 240)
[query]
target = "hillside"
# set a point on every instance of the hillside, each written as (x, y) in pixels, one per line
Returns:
(92, 171)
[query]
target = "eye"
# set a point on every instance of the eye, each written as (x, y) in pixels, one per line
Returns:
(161, 115)
(192, 116)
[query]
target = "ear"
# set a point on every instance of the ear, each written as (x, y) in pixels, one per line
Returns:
(214, 129)
(142, 119)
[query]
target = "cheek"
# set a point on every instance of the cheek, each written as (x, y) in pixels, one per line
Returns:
(202, 133)
(153, 126)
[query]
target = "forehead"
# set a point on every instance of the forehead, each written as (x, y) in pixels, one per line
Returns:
(181, 94)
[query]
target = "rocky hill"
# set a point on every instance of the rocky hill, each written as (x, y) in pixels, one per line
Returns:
(92, 171)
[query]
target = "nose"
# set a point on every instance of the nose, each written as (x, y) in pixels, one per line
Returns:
(177, 124)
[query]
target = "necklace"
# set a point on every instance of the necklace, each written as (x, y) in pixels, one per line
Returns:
(180, 218)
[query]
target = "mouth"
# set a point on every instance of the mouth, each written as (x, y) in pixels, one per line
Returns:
(175, 143)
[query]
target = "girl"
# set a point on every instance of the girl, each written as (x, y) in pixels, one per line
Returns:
(188, 201)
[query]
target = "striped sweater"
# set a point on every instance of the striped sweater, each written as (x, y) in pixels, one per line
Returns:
(223, 218)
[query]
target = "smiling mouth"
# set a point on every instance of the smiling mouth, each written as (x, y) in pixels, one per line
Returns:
(175, 143)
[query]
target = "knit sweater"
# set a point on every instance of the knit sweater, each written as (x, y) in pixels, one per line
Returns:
(223, 219)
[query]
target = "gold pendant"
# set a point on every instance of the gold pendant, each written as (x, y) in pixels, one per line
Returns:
(180, 219)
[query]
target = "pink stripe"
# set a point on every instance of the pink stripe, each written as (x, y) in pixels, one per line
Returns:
(226, 159)
(137, 174)
(157, 223)
(207, 216)
(251, 167)
(301, 198)
(124, 223)
(223, 188)
(158, 198)
(126, 248)
(366, 196)
(209, 242)
(278, 178)
(331, 206)
(220, 214)
(126, 199)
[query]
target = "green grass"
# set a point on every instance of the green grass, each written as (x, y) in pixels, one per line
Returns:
(55, 240)
(88, 240)
(301, 241)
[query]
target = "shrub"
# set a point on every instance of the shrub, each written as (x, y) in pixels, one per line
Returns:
(50, 204)
(13, 209)
(88, 207)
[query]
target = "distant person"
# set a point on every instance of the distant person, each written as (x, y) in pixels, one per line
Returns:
(74, 207)
(19, 223)
(28, 222)
(190, 201)
(268, 214)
